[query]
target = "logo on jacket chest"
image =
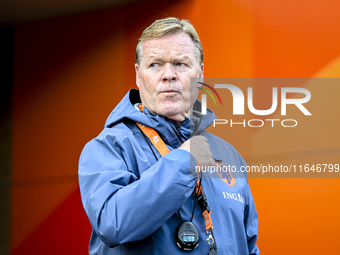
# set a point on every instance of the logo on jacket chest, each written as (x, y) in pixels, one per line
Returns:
(225, 174)
(233, 196)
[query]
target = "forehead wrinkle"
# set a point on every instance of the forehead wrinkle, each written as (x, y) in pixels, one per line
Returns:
(169, 45)
(159, 49)
(168, 56)
(172, 44)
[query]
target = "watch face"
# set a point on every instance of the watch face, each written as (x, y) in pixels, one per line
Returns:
(187, 236)
(189, 239)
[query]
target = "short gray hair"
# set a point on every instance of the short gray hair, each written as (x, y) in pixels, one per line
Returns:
(168, 26)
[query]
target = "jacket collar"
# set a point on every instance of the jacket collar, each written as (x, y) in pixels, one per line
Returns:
(166, 128)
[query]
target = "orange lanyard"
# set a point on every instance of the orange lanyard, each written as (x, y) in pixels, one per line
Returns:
(163, 150)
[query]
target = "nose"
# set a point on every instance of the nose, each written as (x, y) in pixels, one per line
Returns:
(169, 73)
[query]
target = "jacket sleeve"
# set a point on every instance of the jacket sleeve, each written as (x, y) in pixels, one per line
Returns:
(123, 207)
(251, 225)
(250, 216)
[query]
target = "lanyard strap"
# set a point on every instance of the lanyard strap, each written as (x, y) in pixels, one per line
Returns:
(153, 136)
(203, 203)
(201, 197)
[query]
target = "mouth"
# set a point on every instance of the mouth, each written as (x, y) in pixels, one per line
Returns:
(170, 91)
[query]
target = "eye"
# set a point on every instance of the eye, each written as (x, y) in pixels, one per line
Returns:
(153, 64)
(180, 64)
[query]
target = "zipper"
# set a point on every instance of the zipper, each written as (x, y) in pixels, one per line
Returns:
(176, 131)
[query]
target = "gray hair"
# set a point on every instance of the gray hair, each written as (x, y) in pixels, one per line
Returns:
(168, 26)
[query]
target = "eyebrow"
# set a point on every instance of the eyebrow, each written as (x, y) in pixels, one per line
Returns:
(178, 58)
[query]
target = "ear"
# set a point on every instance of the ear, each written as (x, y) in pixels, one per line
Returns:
(137, 76)
(202, 71)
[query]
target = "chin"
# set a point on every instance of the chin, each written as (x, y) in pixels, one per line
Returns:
(174, 113)
(169, 113)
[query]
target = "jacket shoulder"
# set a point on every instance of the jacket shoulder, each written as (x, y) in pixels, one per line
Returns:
(120, 144)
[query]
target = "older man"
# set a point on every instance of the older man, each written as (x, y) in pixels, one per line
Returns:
(136, 178)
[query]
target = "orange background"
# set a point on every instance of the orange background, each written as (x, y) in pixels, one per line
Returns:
(71, 71)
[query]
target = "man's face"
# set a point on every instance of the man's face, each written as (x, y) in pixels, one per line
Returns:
(163, 75)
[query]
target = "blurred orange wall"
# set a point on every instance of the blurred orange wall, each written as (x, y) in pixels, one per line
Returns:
(70, 72)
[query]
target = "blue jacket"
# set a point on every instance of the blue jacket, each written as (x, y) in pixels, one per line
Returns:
(131, 198)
